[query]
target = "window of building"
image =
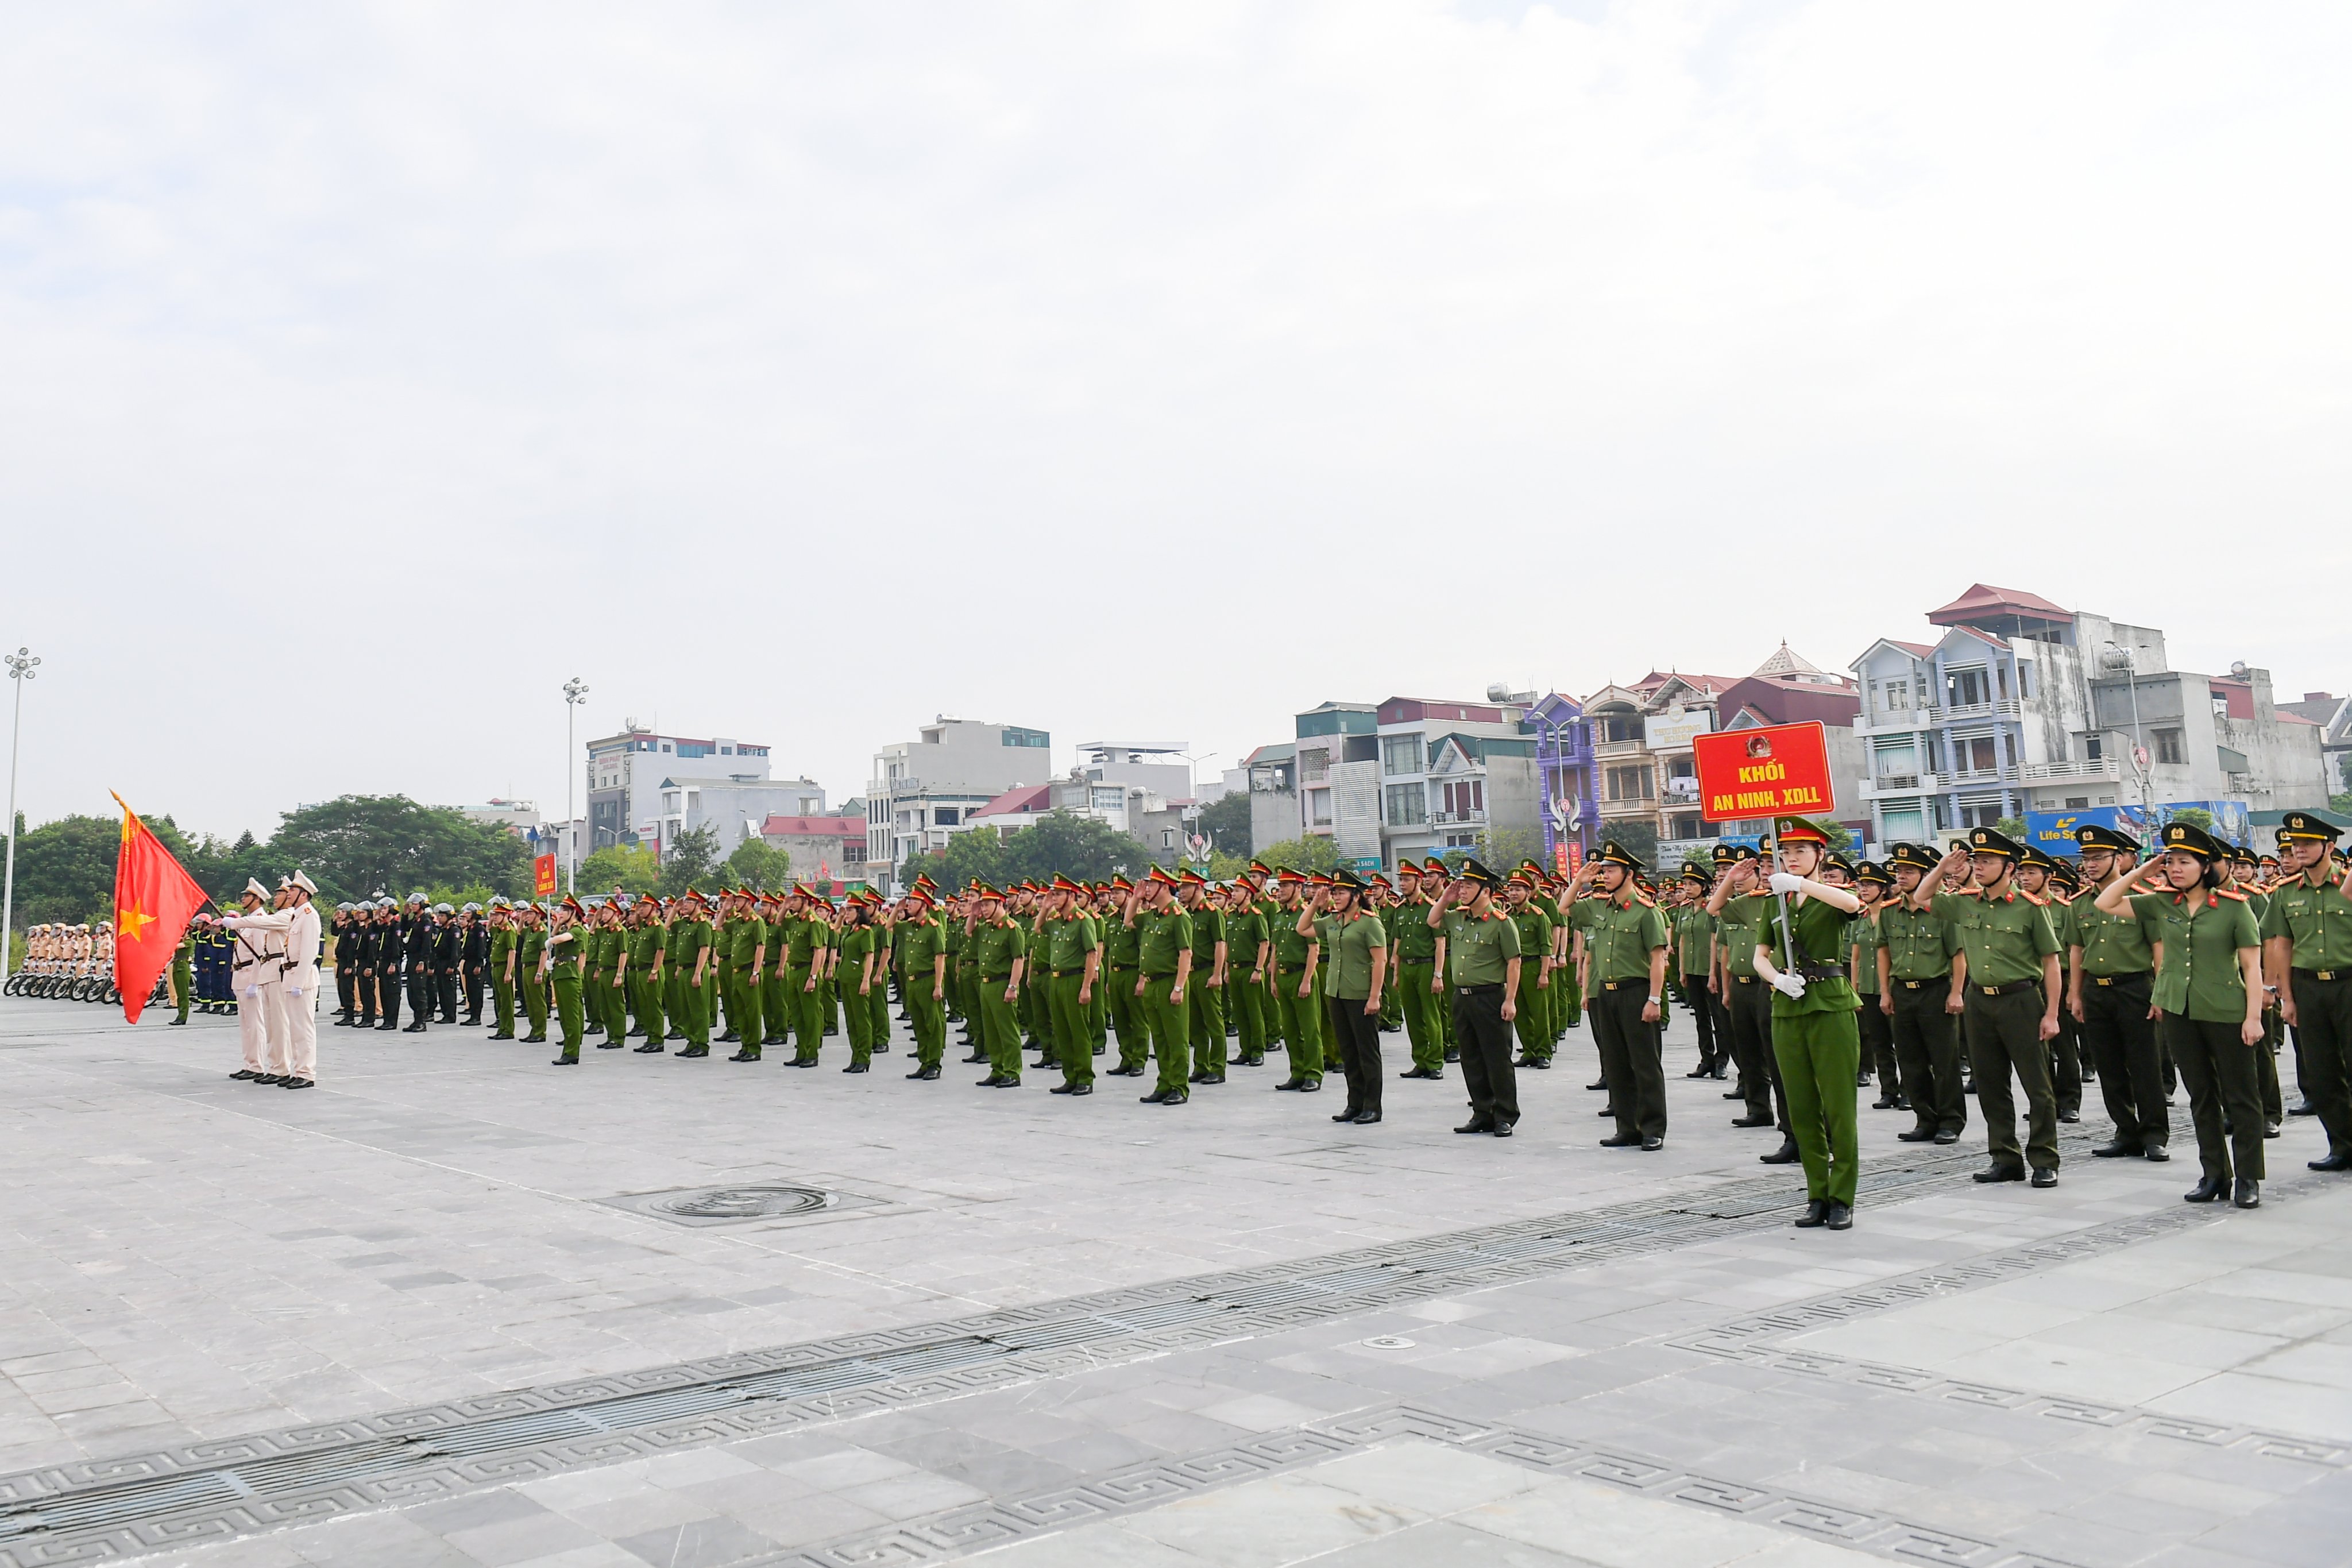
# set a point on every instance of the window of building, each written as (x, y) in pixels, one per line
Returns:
(1975, 753)
(1616, 727)
(1012, 737)
(1629, 783)
(1980, 815)
(1318, 808)
(1315, 764)
(2168, 748)
(1895, 695)
(1401, 754)
(2078, 803)
(1466, 796)
(691, 749)
(1964, 689)
(1168, 839)
(1408, 804)
(669, 800)
(2093, 747)
(1460, 841)
(665, 745)
(1108, 799)
(1909, 824)
(726, 750)
(948, 817)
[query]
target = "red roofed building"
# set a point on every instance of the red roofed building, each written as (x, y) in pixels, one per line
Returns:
(820, 846)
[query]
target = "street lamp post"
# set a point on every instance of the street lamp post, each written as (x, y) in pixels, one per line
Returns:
(22, 664)
(575, 693)
(2117, 657)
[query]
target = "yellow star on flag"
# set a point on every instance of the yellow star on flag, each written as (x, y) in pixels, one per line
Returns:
(134, 923)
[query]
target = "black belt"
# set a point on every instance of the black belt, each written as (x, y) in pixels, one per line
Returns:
(1625, 984)
(1291, 969)
(1161, 975)
(1478, 990)
(2137, 975)
(2010, 989)
(1819, 973)
(1065, 973)
(1743, 980)
(1942, 979)
(2325, 975)
(1006, 975)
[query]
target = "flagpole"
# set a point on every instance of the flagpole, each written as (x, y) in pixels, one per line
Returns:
(21, 664)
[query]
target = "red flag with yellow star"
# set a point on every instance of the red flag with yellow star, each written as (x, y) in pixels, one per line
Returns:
(154, 900)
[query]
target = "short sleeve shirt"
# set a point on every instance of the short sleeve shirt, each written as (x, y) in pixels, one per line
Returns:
(1919, 944)
(2202, 932)
(1478, 951)
(2112, 944)
(1067, 943)
(1411, 936)
(1358, 939)
(1736, 929)
(1821, 934)
(1864, 935)
(2006, 938)
(1693, 939)
(1165, 937)
(2317, 920)
(1620, 937)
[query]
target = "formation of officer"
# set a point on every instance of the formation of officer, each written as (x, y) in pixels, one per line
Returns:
(275, 945)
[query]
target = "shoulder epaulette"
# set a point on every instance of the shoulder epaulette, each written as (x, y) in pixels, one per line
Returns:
(2037, 903)
(1646, 901)
(2230, 893)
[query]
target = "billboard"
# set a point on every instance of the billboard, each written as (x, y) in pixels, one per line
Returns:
(2053, 832)
(1766, 772)
(1671, 731)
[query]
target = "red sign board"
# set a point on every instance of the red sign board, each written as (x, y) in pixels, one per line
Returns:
(1780, 769)
(542, 876)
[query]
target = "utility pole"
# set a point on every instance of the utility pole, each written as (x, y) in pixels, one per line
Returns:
(575, 693)
(21, 666)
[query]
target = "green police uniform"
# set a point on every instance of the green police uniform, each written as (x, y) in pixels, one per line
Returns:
(2201, 994)
(1877, 1037)
(1123, 961)
(503, 989)
(532, 949)
(1245, 935)
(2005, 940)
(689, 943)
(1620, 934)
(1299, 1018)
(1206, 1026)
(1037, 1001)
(878, 996)
(1068, 941)
(1919, 945)
(1479, 954)
(1162, 938)
(1531, 1019)
(921, 945)
(999, 947)
(2316, 925)
(2115, 975)
(858, 1007)
(1694, 961)
(803, 940)
(1412, 943)
(1818, 1045)
(1567, 992)
(564, 957)
(184, 975)
(747, 942)
(645, 944)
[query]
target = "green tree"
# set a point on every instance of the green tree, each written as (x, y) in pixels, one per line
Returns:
(2341, 804)
(1225, 867)
(928, 863)
(975, 855)
(692, 861)
(1638, 838)
(1501, 848)
(1064, 844)
(632, 870)
(1317, 853)
(64, 870)
(2195, 815)
(2009, 828)
(1226, 821)
(357, 844)
(756, 863)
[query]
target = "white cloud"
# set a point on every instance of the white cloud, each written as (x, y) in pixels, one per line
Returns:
(800, 372)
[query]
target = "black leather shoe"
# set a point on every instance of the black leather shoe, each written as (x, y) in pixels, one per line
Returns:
(248, 1072)
(2045, 1177)
(1212, 1079)
(270, 1078)
(1785, 1154)
(2001, 1173)
(916, 1074)
(1061, 1089)
(1652, 1146)
(2070, 1116)
(1595, 1088)
(1817, 1213)
(1310, 1086)
(1698, 1071)
(1915, 1135)
(738, 1057)
(534, 1039)
(854, 1067)
(1176, 1097)
(2207, 1189)
(1841, 1217)
(1502, 1130)
(2249, 1194)
(696, 1051)
(1078, 1089)
(2332, 1162)
(651, 1048)
(2270, 1129)
(306, 1083)
(1476, 1124)
(731, 1037)
(931, 1075)
(414, 1029)
(1882, 1103)
(1347, 1115)
(380, 1027)
(2117, 1151)
(1752, 1121)
(2305, 1108)
(1159, 1095)
(177, 1022)
(1420, 1072)
(1735, 1094)
(1289, 1083)
(1606, 1113)
(1948, 1137)
(2155, 1152)
(992, 1082)
(1621, 1140)
(1542, 1064)
(564, 1062)
(977, 1057)
(1368, 1119)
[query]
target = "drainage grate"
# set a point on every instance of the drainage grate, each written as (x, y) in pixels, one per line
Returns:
(79, 1512)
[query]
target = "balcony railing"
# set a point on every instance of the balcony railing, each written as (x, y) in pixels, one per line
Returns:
(1618, 748)
(2081, 769)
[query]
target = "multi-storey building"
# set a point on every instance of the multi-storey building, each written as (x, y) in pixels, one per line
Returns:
(1564, 763)
(629, 773)
(1452, 772)
(820, 849)
(2021, 708)
(923, 790)
(731, 809)
(1339, 777)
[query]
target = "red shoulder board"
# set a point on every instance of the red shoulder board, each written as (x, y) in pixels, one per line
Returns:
(1646, 901)
(2037, 903)
(2230, 893)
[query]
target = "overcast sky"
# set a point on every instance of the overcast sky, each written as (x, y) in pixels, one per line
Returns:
(801, 371)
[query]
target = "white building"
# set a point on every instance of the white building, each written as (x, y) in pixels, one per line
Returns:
(924, 791)
(629, 773)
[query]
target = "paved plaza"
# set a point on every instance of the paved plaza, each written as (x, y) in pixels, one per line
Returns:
(455, 1307)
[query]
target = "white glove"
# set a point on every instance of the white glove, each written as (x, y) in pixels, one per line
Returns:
(1792, 987)
(1785, 882)
(293, 991)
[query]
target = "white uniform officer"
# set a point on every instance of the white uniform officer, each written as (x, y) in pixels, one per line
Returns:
(253, 967)
(293, 991)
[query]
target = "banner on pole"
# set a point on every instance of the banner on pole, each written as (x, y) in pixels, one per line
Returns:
(1780, 768)
(542, 877)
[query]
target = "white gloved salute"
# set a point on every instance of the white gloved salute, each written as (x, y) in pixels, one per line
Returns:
(1785, 882)
(1792, 987)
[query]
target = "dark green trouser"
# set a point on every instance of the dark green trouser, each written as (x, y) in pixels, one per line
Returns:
(966, 984)
(1248, 1003)
(616, 1007)
(1000, 1029)
(927, 1014)
(1819, 1054)
(1206, 1024)
(645, 1001)
(1423, 1024)
(775, 1006)
(2004, 1034)
(1099, 1014)
(1531, 1019)
(673, 1002)
(1126, 1016)
(534, 1001)
(1169, 1023)
(1073, 1028)
(566, 983)
(2221, 1074)
(1631, 1058)
(693, 1009)
(2266, 1074)
(1749, 1005)
(2323, 1032)
(594, 989)
(744, 1009)
(857, 1018)
(805, 1008)
(183, 987)
(1567, 1003)
(877, 1012)
(1037, 1017)
(1928, 1052)
(502, 1000)
(2121, 1039)
(1300, 1021)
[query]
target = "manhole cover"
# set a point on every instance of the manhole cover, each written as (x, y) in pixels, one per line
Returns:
(743, 1203)
(739, 1203)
